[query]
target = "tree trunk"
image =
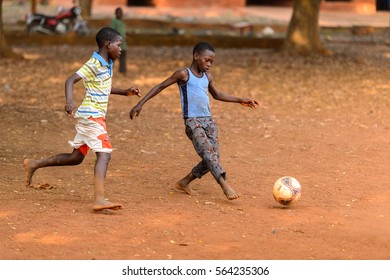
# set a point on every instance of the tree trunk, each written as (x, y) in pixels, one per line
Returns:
(5, 49)
(33, 6)
(86, 8)
(2, 37)
(303, 36)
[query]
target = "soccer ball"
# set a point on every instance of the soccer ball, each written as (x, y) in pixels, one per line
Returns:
(287, 190)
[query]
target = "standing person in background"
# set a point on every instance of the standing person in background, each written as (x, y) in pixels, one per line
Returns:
(118, 24)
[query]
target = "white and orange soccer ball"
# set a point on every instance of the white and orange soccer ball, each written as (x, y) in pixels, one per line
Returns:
(287, 190)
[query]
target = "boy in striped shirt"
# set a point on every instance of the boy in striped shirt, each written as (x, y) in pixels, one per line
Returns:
(96, 74)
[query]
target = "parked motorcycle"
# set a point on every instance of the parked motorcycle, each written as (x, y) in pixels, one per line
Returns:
(65, 21)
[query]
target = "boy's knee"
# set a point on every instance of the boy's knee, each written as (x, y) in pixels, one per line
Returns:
(78, 158)
(106, 157)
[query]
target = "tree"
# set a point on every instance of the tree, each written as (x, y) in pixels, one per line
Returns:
(5, 49)
(303, 35)
(33, 6)
(86, 7)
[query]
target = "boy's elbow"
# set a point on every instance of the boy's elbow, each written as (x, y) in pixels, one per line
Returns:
(69, 80)
(73, 79)
(217, 97)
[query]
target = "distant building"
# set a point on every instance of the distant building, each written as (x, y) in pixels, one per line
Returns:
(360, 6)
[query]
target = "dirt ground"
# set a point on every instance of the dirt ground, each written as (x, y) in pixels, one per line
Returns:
(323, 120)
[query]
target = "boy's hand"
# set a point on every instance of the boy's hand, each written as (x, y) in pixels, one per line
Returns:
(69, 107)
(135, 111)
(250, 103)
(133, 91)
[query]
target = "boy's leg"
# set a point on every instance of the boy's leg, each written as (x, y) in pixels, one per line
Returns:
(183, 184)
(197, 172)
(31, 165)
(205, 141)
(211, 159)
(100, 175)
(227, 190)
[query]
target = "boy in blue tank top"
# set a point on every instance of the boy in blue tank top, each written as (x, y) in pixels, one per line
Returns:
(194, 84)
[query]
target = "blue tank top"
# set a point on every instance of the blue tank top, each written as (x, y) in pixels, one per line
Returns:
(194, 96)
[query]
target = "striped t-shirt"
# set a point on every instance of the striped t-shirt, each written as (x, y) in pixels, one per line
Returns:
(97, 78)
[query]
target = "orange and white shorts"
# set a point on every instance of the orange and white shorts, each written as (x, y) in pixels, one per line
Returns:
(91, 134)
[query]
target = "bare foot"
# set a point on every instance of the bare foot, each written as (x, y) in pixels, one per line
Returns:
(105, 212)
(185, 187)
(230, 193)
(227, 190)
(44, 186)
(30, 168)
(102, 205)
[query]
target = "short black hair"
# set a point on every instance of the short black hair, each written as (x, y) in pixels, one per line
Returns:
(106, 34)
(202, 46)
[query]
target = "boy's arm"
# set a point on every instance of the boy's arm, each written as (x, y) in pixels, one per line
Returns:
(221, 96)
(180, 75)
(126, 92)
(69, 105)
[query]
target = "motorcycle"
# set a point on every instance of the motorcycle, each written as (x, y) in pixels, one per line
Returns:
(63, 22)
